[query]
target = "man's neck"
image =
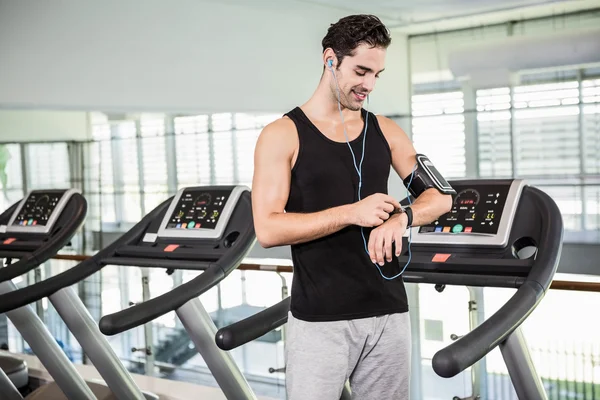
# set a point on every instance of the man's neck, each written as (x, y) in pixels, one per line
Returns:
(323, 105)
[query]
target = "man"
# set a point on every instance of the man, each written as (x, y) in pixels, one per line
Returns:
(320, 185)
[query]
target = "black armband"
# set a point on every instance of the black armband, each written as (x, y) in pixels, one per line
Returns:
(425, 176)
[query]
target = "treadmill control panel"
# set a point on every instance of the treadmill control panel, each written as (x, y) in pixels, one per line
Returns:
(200, 212)
(198, 209)
(38, 212)
(37, 209)
(481, 214)
(474, 210)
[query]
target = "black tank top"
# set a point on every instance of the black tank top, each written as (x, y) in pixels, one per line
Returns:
(334, 278)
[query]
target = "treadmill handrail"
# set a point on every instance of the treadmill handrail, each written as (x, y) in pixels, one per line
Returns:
(148, 310)
(49, 286)
(141, 313)
(475, 345)
(49, 248)
(472, 347)
(253, 327)
(158, 263)
(261, 323)
(151, 309)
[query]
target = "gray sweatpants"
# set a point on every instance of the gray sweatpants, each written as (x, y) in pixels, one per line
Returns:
(372, 353)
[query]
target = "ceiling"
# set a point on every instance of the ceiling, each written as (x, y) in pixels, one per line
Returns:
(424, 16)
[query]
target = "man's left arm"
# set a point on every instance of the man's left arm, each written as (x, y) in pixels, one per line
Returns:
(426, 208)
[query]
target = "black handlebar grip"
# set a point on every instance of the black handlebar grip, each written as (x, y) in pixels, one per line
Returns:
(469, 349)
(253, 327)
(149, 310)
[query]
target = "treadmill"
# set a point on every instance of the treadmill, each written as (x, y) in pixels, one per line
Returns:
(207, 229)
(499, 233)
(33, 231)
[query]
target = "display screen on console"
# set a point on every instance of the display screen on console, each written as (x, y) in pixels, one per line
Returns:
(474, 210)
(38, 208)
(198, 209)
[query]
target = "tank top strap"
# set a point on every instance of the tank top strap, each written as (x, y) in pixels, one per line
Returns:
(302, 124)
(374, 123)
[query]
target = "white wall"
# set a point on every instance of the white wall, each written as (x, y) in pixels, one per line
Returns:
(430, 53)
(171, 56)
(27, 126)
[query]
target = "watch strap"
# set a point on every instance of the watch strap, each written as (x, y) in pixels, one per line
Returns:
(409, 216)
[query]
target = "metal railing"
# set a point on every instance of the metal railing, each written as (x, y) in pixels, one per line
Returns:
(556, 285)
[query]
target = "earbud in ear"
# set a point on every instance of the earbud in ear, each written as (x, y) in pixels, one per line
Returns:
(330, 63)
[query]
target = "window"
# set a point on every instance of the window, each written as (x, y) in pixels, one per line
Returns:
(152, 132)
(591, 220)
(223, 155)
(223, 149)
(98, 172)
(248, 128)
(590, 93)
(547, 129)
(494, 133)
(126, 171)
(192, 151)
(438, 128)
(590, 96)
(48, 166)
(553, 132)
(568, 198)
(11, 179)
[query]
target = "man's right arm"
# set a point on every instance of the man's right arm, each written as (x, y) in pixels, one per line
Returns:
(273, 157)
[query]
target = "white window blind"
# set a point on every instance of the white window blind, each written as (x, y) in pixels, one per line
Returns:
(438, 128)
(155, 160)
(192, 150)
(223, 149)
(246, 143)
(224, 157)
(592, 204)
(568, 198)
(100, 189)
(128, 180)
(48, 166)
(11, 179)
(547, 129)
(494, 133)
(248, 128)
(590, 93)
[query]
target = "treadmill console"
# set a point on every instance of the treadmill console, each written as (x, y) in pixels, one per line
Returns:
(39, 210)
(200, 212)
(482, 214)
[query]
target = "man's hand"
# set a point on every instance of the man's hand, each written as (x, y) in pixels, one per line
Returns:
(373, 210)
(382, 237)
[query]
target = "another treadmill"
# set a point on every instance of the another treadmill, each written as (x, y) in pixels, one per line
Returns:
(499, 233)
(208, 229)
(33, 231)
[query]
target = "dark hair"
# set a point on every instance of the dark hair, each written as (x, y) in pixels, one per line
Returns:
(349, 32)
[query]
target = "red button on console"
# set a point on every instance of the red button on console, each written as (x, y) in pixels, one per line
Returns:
(440, 257)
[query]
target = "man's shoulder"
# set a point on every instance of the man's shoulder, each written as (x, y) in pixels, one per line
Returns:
(280, 133)
(387, 124)
(390, 128)
(283, 123)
